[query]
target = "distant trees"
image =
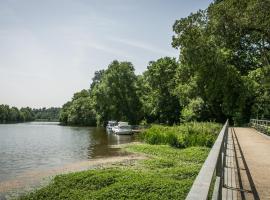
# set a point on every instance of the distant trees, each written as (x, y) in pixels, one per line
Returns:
(13, 114)
(47, 114)
(222, 72)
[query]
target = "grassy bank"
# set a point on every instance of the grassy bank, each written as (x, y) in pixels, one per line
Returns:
(167, 173)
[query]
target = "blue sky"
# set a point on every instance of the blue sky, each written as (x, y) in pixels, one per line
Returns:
(50, 49)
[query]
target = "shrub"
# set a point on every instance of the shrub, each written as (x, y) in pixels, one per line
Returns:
(185, 135)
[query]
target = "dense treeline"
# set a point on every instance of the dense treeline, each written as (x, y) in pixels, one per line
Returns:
(223, 71)
(13, 114)
(46, 114)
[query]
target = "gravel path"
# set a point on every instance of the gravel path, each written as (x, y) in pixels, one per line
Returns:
(256, 149)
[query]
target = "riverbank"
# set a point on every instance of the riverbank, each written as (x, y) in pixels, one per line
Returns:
(156, 172)
(39, 178)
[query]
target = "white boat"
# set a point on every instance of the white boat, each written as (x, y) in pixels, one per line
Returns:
(122, 128)
(110, 125)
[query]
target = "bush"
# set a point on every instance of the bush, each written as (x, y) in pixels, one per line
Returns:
(185, 135)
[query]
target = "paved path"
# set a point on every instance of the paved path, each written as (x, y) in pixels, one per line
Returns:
(256, 150)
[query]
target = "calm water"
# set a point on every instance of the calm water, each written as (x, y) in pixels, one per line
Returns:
(43, 145)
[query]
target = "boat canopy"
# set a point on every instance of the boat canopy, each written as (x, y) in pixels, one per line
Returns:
(112, 122)
(123, 124)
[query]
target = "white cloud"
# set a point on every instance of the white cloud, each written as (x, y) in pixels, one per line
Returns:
(102, 47)
(143, 45)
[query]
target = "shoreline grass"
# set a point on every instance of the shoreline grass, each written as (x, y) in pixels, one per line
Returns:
(185, 135)
(167, 173)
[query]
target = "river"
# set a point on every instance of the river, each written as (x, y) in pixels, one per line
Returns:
(41, 146)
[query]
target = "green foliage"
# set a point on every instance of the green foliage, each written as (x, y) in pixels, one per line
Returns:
(167, 174)
(219, 47)
(46, 114)
(80, 111)
(116, 94)
(243, 27)
(185, 135)
(113, 94)
(12, 115)
(222, 72)
(193, 110)
(260, 83)
(157, 96)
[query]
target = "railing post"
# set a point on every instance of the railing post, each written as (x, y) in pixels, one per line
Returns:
(219, 169)
(221, 162)
(261, 125)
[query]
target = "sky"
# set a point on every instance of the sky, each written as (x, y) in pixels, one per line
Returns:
(50, 49)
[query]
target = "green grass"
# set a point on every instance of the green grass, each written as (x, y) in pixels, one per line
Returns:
(167, 174)
(185, 135)
(268, 130)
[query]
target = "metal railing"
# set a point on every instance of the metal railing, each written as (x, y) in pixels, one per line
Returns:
(261, 125)
(211, 171)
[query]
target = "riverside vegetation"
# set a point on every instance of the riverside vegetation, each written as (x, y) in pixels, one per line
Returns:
(223, 72)
(13, 114)
(167, 173)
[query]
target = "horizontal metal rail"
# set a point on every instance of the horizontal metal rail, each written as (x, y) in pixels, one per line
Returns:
(212, 170)
(261, 125)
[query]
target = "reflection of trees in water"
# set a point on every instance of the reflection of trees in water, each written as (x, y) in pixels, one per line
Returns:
(100, 143)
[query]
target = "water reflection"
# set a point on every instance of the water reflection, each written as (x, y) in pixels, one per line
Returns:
(104, 141)
(41, 145)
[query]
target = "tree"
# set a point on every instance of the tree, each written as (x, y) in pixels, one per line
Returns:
(222, 72)
(159, 99)
(64, 113)
(97, 78)
(260, 79)
(115, 96)
(82, 112)
(79, 111)
(48, 114)
(243, 27)
(26, 114)
(14, 115)
(192, 112)
(205, 71)
(4, 113)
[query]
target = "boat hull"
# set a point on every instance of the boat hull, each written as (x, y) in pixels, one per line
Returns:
(123, 132)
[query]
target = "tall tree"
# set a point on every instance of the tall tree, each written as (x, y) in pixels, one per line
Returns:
(79, 111)
(97, 78)
(116, 96)
(243, 27)
(159, 99)
(205, 71)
